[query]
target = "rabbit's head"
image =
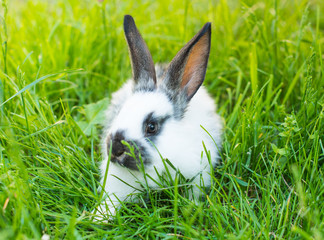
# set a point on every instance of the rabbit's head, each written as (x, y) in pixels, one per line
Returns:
(155, 105)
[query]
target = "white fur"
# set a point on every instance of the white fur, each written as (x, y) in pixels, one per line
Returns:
(180, 141)
(132, 114)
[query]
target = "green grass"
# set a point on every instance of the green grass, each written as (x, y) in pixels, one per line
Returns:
(61, 60)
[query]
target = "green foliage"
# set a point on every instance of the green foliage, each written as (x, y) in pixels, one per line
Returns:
(61, 60)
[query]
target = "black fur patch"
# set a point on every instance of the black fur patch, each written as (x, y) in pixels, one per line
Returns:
(121, 153)
(160, 121)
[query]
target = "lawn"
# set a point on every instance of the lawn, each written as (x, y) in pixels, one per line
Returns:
(60, 62)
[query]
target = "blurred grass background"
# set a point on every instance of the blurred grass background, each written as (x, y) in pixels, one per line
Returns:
(60, 62)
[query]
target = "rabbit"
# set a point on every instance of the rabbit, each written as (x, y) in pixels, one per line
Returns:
(161, 110)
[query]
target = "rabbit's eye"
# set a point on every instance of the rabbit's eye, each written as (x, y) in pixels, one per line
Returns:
(151, 128)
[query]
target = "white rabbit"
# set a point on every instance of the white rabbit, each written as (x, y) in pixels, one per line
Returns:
(159, 113)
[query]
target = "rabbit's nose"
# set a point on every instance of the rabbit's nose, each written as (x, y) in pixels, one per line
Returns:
(117, 148)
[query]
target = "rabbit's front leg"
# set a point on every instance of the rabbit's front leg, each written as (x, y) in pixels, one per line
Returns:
(107, 209)
(119, 185)
(110, 204)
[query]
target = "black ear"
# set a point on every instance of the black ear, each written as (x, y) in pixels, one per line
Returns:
(141, 59)
(187, 70)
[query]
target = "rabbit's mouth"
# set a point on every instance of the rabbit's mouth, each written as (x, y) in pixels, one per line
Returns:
(129, 161)
(125, 161)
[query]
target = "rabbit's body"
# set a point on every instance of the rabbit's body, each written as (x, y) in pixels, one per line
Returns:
(158, 114)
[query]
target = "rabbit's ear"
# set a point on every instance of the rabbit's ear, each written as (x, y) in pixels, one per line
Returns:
(141, 59)
(187, 70)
